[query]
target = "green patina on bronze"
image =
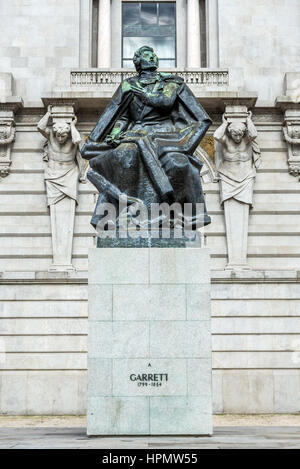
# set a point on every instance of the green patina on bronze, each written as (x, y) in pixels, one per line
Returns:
(143, 143)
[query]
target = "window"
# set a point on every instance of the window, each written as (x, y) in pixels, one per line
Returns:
(152, 24)
(203, 33)
(95, 14)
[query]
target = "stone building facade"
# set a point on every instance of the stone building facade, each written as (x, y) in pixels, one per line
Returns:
(236, 57)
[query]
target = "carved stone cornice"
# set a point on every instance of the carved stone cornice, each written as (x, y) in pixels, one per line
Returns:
(217, 276)
(91, 99)
(11, 104)
(286, 102)
(56, 99)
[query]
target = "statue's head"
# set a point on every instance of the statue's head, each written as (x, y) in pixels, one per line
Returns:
(295, 132)
(61, 131)
(145, 59)
(4, 131)
(237, 131)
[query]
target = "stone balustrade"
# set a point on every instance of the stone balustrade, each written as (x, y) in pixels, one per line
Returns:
(96, 77)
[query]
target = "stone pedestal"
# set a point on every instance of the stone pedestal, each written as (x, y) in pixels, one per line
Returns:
(236, 222)
(62, 216)
(149, 345)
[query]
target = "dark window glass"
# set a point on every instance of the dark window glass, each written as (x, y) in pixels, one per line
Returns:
(149, 24)
(203, 33)
(163, 46)
(131, 14)
(94, 58)
(166, 13)
(148, 13)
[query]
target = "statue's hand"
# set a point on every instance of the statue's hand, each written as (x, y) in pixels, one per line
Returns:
(113, 140)
(143, 95)
(139, 92)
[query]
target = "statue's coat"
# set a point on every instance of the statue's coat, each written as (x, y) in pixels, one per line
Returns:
(188, 118)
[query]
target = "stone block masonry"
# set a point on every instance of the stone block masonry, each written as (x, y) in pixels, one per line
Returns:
(149, 342)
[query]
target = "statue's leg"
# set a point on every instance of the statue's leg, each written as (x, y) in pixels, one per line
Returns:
(115, 174)
(118, 166)
(185, 179)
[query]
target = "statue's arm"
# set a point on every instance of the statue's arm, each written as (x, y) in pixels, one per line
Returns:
(220, 132)
(163, 99)
(121, 125)
(43, 125)
(81, 167)
(251, 130)
(76, 138)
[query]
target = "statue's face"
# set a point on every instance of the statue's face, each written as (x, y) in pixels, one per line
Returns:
(236, 133)
(3, 132)
(62, 137)
(296, 132)
(149, 60)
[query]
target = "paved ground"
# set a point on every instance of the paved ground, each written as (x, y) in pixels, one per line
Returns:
(40, 432)
(224, 437)
(224, 420)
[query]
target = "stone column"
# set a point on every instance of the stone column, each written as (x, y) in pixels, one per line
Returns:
(236, 213)
(237, 157)
(212, 26)
(193, 34)
(62, 217)
(104, 34)
(64, 169)
(62, 213)
(236, 222)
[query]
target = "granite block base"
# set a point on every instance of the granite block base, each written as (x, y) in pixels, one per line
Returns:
(149, 343)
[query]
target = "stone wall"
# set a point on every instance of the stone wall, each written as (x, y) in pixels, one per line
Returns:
(43, 315)
(256, 314)
(260, 38)
(38, 37)
(274, 223)
(255, 345)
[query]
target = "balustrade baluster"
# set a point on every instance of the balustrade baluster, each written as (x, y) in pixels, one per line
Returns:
(201, 77)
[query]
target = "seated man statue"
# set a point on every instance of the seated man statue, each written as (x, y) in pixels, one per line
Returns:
(142, 146)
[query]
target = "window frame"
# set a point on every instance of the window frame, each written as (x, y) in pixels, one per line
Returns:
(140, 2)
(116, 18)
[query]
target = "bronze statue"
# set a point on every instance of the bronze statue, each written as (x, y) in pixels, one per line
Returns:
(143, 143)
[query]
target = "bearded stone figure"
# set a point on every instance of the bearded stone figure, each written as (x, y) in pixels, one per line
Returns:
(64, 169)
(143, 143)
(237, 157)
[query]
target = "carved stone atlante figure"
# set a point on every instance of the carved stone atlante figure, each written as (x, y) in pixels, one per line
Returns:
(237, 157)
(64, 168)
(143, 143)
